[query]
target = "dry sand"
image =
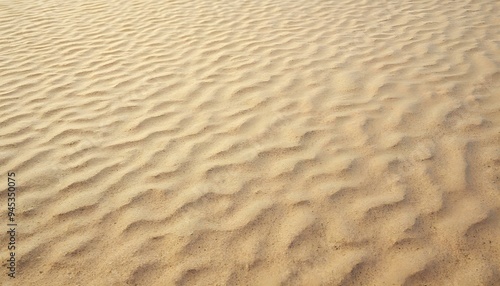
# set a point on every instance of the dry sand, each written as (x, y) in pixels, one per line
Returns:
(251, 142)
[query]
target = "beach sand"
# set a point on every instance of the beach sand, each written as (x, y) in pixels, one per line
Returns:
(251, 142)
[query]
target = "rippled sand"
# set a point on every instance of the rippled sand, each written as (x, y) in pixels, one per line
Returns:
(252, 142)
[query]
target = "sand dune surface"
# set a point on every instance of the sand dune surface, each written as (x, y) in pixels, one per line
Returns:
(239, 142)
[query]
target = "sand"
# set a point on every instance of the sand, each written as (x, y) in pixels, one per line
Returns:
(249, 142)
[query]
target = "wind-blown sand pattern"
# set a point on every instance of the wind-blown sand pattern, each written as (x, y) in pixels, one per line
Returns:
(252, 142)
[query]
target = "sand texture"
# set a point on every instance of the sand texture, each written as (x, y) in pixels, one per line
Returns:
(246, 142)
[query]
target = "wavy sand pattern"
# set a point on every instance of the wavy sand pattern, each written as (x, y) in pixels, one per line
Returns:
(252, 142)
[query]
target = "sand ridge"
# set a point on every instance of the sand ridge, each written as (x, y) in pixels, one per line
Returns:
(252, 142)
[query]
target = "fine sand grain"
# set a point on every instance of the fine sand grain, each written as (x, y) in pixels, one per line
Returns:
(251, 142)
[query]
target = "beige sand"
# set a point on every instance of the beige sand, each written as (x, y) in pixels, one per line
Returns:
(251, 142)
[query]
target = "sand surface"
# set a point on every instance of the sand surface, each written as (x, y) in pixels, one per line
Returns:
(251, 142)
